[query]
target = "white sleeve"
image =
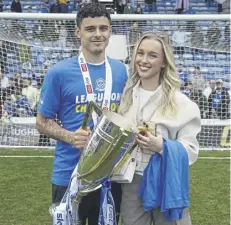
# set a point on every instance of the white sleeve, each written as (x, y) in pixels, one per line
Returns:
(187, 135)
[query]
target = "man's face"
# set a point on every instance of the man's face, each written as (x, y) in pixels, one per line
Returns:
(212, 84)
(94, 34)
(219, 85)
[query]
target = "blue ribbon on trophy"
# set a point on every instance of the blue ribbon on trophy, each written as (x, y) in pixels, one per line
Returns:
(107, 214)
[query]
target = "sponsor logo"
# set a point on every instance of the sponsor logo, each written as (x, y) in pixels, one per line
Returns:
(110, 216)
(84, 67)
(89, 89)
(60, 219)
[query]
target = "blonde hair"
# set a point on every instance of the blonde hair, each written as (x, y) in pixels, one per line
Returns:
(168, 76)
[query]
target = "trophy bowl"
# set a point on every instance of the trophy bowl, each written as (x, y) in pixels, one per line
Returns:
(110, 141)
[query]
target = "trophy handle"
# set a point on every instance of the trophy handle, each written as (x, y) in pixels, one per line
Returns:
(90, 107)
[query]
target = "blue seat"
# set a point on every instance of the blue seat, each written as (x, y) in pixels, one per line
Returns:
(187, 56)
(209, 57)
(198, 56)
(189, 63)
(162, 4)
(183, 76)
(209, 76)
(221, 56)
(162, 12)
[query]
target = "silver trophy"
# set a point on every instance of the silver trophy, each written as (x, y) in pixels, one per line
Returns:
(111, 140)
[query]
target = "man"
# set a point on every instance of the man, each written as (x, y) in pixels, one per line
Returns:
(197, 79)
(219, 102)
(1, 5)
(65, 92)
(211, 88)
(179, 38)
(54, 8)
(16, 6)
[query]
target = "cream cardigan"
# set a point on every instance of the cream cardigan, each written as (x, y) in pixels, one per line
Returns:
(184, 126)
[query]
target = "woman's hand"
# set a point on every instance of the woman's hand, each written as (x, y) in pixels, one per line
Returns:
(150, 142)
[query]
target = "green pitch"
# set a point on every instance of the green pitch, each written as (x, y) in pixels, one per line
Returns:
(26, 192)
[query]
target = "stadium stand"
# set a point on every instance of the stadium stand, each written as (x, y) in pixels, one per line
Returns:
(163, 7)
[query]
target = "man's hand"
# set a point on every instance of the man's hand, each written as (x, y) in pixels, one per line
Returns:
(80, 138)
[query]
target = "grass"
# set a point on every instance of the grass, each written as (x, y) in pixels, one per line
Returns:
(25, 189)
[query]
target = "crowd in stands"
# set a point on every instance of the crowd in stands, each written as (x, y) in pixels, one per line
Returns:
(205, 75)
(120, 6)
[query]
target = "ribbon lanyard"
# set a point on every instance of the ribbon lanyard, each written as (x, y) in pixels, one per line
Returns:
(89, 87)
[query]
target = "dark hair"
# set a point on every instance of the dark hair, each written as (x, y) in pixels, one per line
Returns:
(92, 10)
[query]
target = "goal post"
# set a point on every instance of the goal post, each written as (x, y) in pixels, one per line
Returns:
(31, 43)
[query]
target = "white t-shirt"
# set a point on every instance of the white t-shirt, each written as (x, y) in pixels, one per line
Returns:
(141, 161)
(144, 98)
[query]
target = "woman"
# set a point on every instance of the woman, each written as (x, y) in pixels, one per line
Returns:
(152, 95)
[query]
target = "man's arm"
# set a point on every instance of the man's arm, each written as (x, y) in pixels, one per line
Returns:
(49, 127)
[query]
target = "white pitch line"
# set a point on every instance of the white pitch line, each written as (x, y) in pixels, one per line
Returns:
(214, 158)
(50, 156)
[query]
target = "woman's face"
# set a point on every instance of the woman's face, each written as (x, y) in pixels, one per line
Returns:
(149, 59)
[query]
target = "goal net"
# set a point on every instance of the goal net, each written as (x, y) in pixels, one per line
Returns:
(32, 43)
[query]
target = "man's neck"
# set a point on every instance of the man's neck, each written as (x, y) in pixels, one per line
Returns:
(93, 59)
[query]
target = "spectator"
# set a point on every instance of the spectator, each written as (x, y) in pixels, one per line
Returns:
(219, 101)
(182, 75)
(1, 5)
(197, 37)
(188, 88)
(226, 7)
(150, 6)
(22, 105)
(63, 6)
(198, 97)
(16, 6)
(54, 8)
(31, 92)
(8, 107)
(202, 102)
(197, 79)
(3, 55)
(219, 5)
(134, 33)
(62, 35)
(29, 10)
(213, 35)
(128, 8)
(119, 7)
(26, 66)
(211, 88)
(182, 5)
(45, 7)
(4, 81)
(138, 10)
(179, 39)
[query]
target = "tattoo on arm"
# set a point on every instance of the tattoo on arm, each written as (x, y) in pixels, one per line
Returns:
(52, 129)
